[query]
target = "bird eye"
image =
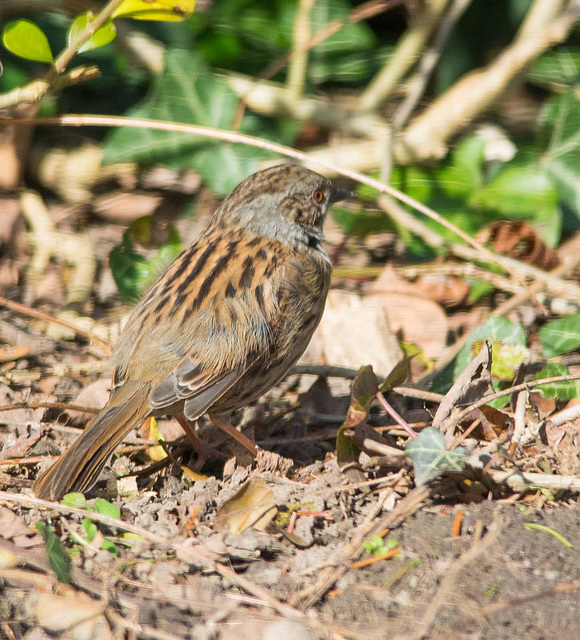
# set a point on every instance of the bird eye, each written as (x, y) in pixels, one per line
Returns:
(317, 196)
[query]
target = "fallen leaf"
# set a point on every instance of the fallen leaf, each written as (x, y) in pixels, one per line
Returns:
(411, 316)
(354, 330)
(253, 505)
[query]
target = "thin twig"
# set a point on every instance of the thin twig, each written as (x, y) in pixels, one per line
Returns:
(299, 57)
(218, 134)
(40, 315)
(395, 416)
(51, 79)
(47, 405)
(456, 419)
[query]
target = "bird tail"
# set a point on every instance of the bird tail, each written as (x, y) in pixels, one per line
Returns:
(78, 469)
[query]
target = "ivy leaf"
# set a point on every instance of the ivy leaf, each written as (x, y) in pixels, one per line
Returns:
(500, 331)
(431, 458)
(100, 38)
(566, 390)
(26, 40)
(559, 135)
(57, 556)
(560, 336)
(188, 92)
(523, 191)
(559, 67)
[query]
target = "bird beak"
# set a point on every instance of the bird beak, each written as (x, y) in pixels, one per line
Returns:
(338, 195)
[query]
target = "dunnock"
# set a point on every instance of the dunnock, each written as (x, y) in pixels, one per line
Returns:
(224, 324)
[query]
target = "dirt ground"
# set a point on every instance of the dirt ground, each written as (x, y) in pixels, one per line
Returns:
(498, 579)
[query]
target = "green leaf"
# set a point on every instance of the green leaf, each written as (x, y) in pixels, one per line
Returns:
(560, 336)
(100, 38)
(500, 331)
(479, 288)
(105, 508)
(57, 556)
(526, 192)
(430, 458)
(345, 55)
(90, 529)
(132, 271)
(557, 68)
(363, 391)
(189, 93)
(399, 373)
(463, 175)
(26, 40)
(74, 499)
(162, 10)
(567, 390)
(560, 136)
(111, 547)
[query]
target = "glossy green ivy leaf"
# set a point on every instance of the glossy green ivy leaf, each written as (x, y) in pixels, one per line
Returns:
(100, 38)
(565, 390)
(26, 40)
(559, 136)
(58, 558)
(506, 358)
(560, 336)
(524, 191)
(556, 68)
(161, 10)
(187, 91)
(463, 174)
(431, 458)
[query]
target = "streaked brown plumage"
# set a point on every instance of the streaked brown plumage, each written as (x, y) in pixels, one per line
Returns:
(223, 325)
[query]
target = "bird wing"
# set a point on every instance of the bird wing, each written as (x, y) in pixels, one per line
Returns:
(215, 313)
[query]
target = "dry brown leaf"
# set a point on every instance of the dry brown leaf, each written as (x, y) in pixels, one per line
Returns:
(253, 505)
(354, 330)
(443, 289)
(78, 614)
(411, 315)
(517, 239)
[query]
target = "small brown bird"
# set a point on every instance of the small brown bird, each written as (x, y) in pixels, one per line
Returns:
(224, 324)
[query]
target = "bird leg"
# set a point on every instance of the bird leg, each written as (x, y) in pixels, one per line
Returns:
(225, 425)
(203, 449)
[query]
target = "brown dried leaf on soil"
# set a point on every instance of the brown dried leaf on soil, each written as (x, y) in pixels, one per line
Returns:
(411, 315)
(354, 330)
